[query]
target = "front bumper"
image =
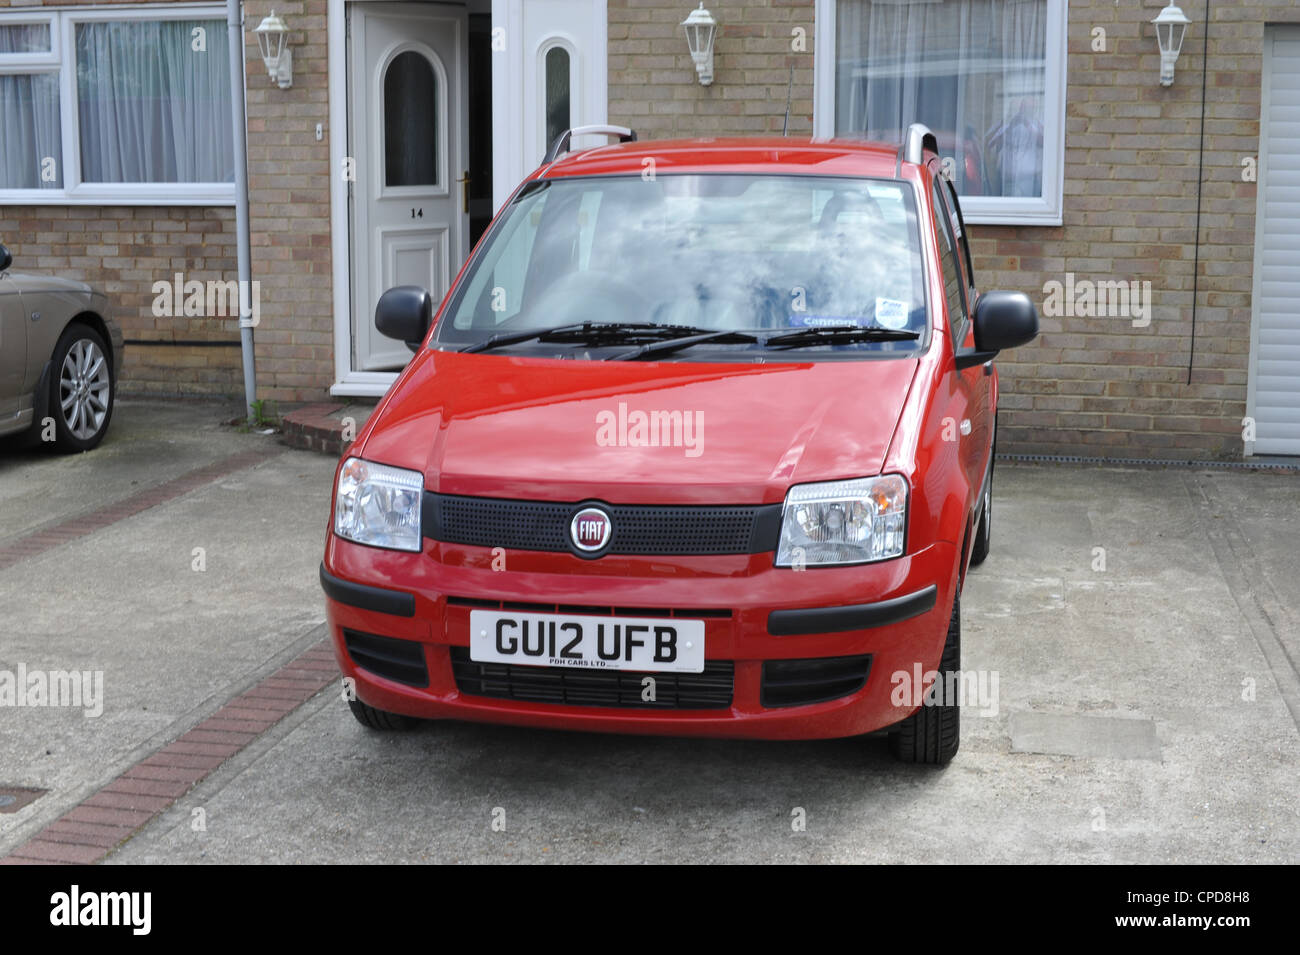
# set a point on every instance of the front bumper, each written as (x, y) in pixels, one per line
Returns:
(896, 612)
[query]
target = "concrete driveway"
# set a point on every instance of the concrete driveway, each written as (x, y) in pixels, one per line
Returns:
(1142, 627)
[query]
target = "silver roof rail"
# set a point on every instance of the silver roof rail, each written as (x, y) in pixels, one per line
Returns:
(561, 144)
(919, 138)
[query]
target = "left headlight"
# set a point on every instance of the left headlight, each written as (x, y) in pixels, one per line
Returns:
(378, 505)
(843, 522)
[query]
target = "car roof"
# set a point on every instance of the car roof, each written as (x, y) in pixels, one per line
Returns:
(771, 155)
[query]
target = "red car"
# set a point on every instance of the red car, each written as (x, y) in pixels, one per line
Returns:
(700, 442)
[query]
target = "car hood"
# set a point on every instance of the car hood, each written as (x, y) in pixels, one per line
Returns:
(637, 432)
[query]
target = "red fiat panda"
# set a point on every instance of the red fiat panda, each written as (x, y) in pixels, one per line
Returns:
(700, 442)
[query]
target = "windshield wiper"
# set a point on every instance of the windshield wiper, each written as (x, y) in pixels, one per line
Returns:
(588, 333)
(685, 341)
(839, 335)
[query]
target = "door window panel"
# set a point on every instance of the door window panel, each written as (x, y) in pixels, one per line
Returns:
(410, 121)
(557, 93)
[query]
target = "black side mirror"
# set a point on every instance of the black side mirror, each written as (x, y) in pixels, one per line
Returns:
(1002, 320)
(6, 258)
(404, 313)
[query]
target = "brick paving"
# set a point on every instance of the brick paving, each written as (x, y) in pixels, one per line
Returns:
(92, 829)
(38, 542)
(89, 831)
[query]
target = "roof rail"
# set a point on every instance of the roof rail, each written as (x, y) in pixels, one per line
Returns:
(918, 140)
(561, 144)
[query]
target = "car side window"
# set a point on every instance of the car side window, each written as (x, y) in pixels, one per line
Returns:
(953, 284)
(954, 209)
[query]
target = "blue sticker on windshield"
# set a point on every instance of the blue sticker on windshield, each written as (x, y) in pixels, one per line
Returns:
(803, 320)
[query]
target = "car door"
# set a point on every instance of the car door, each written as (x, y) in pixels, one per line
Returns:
(13, 347)
(970, 426)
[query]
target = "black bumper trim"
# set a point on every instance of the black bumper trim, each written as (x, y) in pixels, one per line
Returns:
(791, 623)
(367, 598)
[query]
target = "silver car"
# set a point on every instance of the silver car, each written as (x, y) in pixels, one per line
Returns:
(60, 354)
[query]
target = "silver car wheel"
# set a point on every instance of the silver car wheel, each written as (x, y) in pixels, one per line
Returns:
(84, 389)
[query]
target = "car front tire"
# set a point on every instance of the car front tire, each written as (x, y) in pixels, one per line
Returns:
(932, 734)
(82, 389)
(382, 720)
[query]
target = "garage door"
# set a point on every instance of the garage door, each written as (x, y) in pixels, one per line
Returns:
(1273, 398)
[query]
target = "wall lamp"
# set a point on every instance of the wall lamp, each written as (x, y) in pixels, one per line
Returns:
(273, 41)
(1171, 25)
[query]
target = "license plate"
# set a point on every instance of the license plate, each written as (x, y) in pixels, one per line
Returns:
(597, 643)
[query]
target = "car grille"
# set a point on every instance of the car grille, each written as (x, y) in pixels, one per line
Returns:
(637, 529)
(710, 690)
(401, 661)
(818, 680)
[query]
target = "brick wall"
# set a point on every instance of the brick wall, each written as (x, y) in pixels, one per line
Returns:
(1099, 386)
(1088, 385)
(124, 250)
(1091, 386)
(653, 86)
(289, 198)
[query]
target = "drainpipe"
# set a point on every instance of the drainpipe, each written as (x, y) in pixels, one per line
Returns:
(235, 27)
(1200, 179)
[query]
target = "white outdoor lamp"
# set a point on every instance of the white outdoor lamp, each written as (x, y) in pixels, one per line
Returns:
(273, 41)
(1171, 25)
(701, 30)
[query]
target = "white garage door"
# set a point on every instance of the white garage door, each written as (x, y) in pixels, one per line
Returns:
(1273, 398)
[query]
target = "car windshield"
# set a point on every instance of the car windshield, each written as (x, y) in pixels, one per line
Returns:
(768, 255)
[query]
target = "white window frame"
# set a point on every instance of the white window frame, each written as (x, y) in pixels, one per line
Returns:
(24, 18)
(62, 60)
(976, 210)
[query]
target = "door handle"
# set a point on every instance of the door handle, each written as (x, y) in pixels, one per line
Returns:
(464, 181)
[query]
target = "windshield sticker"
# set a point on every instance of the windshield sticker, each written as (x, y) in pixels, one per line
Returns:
(891, 313)
(803, 320)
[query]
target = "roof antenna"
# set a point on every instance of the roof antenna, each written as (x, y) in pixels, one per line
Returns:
(788, 91)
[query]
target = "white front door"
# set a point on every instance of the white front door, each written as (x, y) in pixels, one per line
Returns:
(407, 133)
(550, 74)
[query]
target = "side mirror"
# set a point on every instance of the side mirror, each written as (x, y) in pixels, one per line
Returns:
(6, 258)
(404, 313)
(1002, 320)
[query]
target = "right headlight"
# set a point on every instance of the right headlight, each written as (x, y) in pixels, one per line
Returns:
(843, 522)
(379, 505)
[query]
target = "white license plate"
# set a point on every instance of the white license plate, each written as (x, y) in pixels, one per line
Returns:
(597, 643)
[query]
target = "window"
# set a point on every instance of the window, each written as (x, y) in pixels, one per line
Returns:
(557, 93)
(953, 287)
(954, 212)
(987, 77)
(410, 122)
(123, 106)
